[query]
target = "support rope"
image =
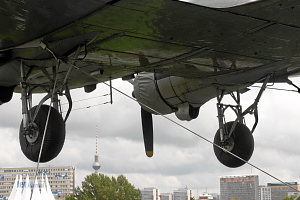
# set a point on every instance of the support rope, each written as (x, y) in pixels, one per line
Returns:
(189, 130)
(45, 128)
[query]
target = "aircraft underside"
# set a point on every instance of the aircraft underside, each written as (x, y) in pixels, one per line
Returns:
(44, 125)
(177, 55)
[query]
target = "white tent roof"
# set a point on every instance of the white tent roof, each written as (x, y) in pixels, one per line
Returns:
(14, 190)
(26, 190)
(18, 193)
(39, 192)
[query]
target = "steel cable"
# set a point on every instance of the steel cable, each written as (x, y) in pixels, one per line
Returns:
(45, 128)
(191, 131)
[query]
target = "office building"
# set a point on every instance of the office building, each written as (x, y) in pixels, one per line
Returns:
(265, 193)
(182, 194)
(293, 194)
(281, 190)
(239, 187)
(150, 194)
(216, 196)
(166, 196)
(61, 179)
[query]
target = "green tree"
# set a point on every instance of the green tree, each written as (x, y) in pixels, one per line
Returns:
(289, 198)
(102, 187)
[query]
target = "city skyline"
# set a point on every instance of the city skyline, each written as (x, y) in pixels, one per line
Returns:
(59, 172)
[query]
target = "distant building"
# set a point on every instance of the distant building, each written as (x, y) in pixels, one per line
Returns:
(206, 196)
(150, 194)
(182, 194)
(61, 179)
(239, 187)
(216, 196)
(166, 196)
(280, 190)
(293, 194)
(265, 193)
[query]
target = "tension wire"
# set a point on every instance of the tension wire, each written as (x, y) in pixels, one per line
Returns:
(46, 126)
(205, 139)
(191, 131)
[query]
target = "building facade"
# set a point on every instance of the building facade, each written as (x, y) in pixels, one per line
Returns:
(61, 179)
(216, 196)
(182, 194)
(166, 196)
(265, 193)
(293, 194)
(281, 190)
(150, 194)
(239, 187)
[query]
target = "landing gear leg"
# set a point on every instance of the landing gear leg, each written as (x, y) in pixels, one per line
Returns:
(234, 136)
(43, 126)
(36, 123)
(42, 131)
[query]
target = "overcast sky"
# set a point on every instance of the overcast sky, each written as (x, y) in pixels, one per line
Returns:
(180, 159)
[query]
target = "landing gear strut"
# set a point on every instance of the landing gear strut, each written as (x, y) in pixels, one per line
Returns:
(43, 126)
(235, 137)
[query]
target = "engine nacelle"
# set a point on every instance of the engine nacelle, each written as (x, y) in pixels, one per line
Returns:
(168, 94)
(6, 93)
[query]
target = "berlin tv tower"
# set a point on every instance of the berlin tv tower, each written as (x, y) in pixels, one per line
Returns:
(96, 164)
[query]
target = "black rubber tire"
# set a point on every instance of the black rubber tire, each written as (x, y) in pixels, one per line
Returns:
(54, 138)
(243, 146)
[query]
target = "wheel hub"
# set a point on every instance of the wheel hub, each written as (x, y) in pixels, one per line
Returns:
(228, 144)
(32, 133)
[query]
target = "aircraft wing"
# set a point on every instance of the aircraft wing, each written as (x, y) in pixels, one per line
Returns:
(193, 53)
(120, 38)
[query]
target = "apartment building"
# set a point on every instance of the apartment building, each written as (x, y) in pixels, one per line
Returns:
(61, 179)
(239, 187)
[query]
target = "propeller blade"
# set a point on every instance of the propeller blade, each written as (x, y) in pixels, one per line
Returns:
(147, 125)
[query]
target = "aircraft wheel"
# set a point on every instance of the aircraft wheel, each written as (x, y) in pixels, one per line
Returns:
(241, 143)
(31, 139)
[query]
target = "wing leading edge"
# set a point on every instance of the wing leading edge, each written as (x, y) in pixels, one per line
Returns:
(176, 38)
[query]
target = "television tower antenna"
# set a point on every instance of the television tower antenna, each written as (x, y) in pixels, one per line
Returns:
(96, 164)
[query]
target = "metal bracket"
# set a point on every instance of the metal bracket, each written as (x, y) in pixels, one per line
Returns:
(24, 96)
(291, 83)
(252, 109)
(52, 94)
(224, 134)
